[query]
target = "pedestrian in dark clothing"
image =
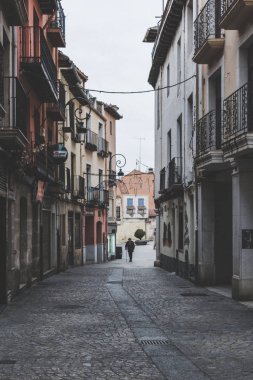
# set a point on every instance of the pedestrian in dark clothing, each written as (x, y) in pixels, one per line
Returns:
(130, 248)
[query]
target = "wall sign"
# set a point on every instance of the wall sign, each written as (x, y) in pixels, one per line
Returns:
(60, 153)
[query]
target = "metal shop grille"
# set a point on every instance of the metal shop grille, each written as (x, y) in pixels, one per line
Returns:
(194, 294)
(154, 341)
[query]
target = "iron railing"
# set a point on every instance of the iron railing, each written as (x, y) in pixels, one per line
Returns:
(97, 196)
(34, 50)
(226, 5)
(15, 103)
(236, 113)
(206, 24)
(59, 21)
(91, 138)
(175, 172)
(208, 132)
(102, 146)
(44, 164)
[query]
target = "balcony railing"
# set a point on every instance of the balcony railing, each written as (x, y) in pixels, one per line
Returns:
(175, 172)
(102, 147)
(91, 142)
(56, 28)
(56, 110)
(235, 13)
(78, 186)
(208, 130)
(44, 165)
(236, 114)
(37, 61)
(207, 32)
(97, 197)
(13, 126)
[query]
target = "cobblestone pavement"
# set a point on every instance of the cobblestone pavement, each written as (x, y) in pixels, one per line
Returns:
(98, 322)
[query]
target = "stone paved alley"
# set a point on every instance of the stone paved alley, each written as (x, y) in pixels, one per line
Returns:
(97, 322)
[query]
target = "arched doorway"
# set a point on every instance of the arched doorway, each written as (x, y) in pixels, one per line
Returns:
(23, 240)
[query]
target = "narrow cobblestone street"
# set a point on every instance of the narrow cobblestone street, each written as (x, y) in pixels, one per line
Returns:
(99, 322)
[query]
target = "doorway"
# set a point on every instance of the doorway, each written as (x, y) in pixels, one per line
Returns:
(223, 234)
(3, 252)
(70, 238)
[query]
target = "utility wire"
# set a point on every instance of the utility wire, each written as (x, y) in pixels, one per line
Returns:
(115, 92)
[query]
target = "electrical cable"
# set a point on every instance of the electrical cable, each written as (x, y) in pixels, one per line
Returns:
(114, 92)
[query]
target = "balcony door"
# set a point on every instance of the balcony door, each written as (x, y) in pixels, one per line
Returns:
(218, 107)
(250, 81)
(3, 253)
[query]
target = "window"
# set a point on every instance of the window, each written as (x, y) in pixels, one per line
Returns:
(180, 229)
(158, 108)
(130, 202)
(179, 137)
(71, 116)
(140, 202)
(2, 76)
(189, 27)
(77, 230)
(38, 139)
(118, 212)
(110, 128)
(168, 80)
(169, 145)
(62, 227)
(88, 176)
(190, 120)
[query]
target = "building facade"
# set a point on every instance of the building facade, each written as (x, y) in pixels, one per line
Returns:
(203, 141)
(172, 76)
(224, 54)
(135, 208)
(31, 35)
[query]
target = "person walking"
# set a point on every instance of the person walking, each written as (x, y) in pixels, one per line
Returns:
(130, 248)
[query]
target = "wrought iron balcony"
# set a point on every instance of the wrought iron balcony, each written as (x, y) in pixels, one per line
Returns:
(60, 186)
(43, 164)
(102, 147)
(78, 186)
(208, 140)
(14, 123)
(38, 64)
(56, 111)
(56, 28)
(91, 142)
(175, 172)
(130, 210)
(235, 13)
(15, 12)
(208, 40)
(97, 197)
(238, 123)
(47, 6)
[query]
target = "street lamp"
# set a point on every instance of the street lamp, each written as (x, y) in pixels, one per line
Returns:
(78, 114)
(120, 163)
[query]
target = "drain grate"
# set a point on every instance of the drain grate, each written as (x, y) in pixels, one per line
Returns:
(194, 294)
(8, 361)
(154, 341)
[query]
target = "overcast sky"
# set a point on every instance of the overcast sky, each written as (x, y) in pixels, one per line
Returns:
(104, 39)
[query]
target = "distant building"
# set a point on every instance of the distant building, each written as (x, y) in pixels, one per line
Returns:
(135, 208)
